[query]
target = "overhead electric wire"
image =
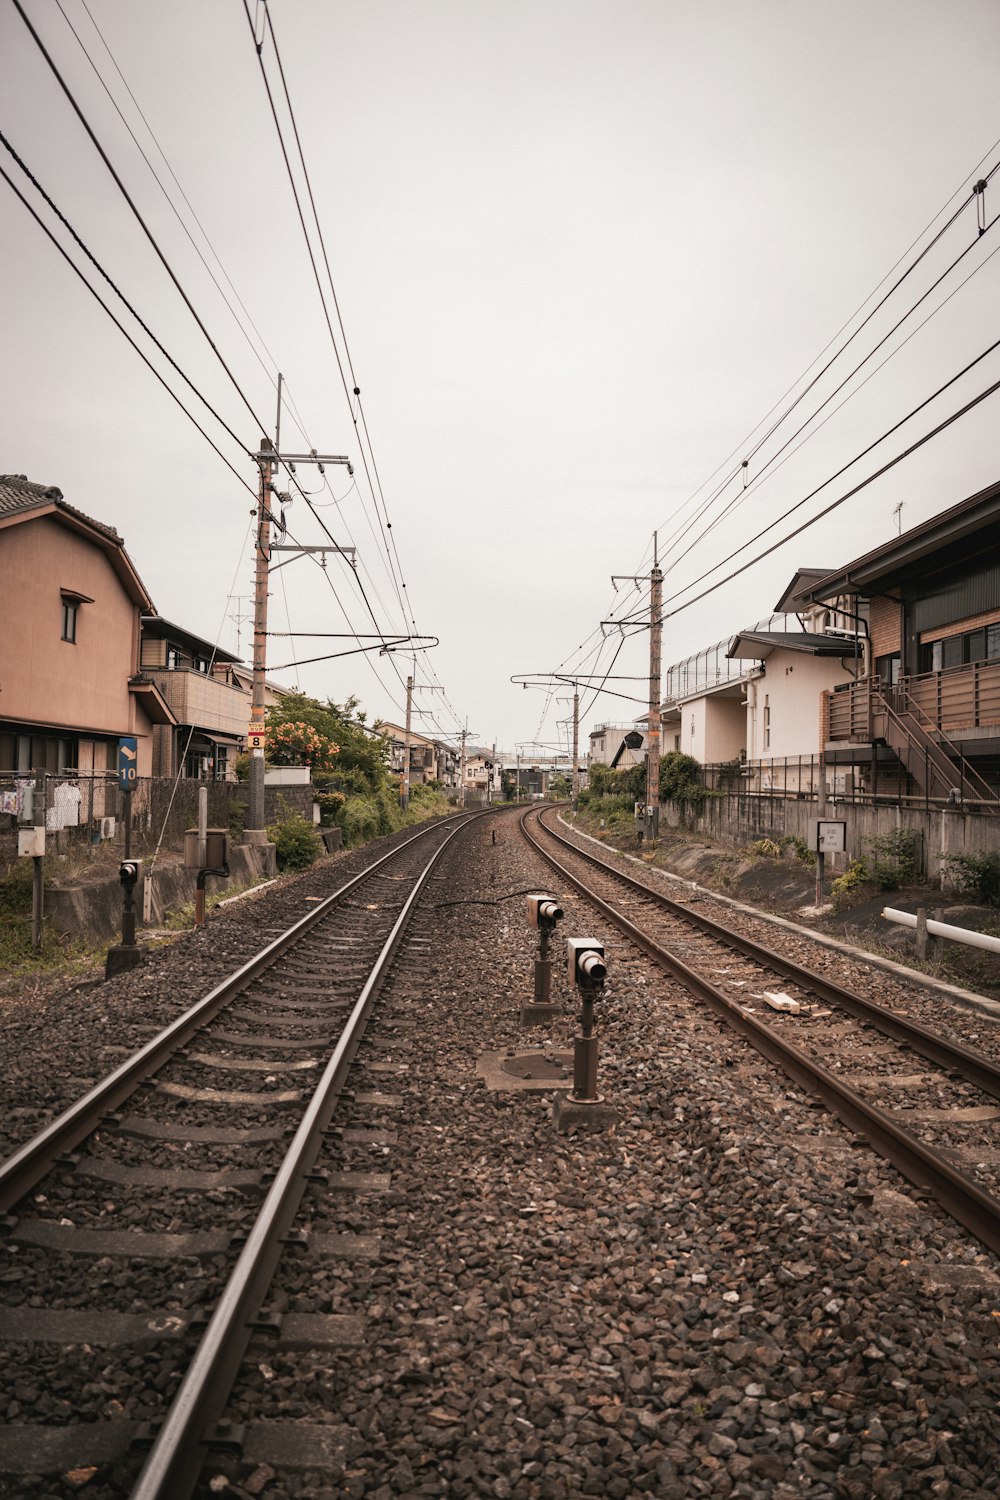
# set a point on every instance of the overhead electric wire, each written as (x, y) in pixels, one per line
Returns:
(156, 178)
(309, 248)
(739, 498)
(138, 216)
(742, 447)
(355, 386)
(124, 331)
(906, 453)
(117, 290)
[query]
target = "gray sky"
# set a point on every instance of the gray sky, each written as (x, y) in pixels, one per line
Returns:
(580, 251)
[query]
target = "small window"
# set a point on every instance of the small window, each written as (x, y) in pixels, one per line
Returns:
(952, 654)
(69, 609)
(975, 645)
(992, 641)
(767, 722)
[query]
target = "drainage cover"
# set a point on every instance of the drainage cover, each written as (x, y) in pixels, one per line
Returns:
(554, 1065)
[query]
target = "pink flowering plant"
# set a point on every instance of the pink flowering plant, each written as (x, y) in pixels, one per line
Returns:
(296, 743)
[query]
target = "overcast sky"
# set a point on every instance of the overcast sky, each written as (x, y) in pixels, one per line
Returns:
(580, 251)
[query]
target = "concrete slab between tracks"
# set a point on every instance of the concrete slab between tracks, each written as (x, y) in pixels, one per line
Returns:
(968, 998)
(321, 1331)
(215, 1135)
(343, 1246)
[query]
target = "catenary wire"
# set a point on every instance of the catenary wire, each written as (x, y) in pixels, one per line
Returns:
(124, 331)
(138, 216)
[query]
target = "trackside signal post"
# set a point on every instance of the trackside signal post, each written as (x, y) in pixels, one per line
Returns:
(128, 953)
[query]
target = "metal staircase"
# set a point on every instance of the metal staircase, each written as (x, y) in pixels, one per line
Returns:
(935, 763)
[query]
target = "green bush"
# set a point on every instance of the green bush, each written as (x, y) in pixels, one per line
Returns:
(886, 863)
(361, 819)
(803, 853)
(767, 848)
(297, 844)
(329, 804)
(853, 878)
(977, 875)
(893, 860)
(680, 781)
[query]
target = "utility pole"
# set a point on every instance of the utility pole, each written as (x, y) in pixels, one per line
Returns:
(267, 458)
(576, 749)
(256, 832)
(404, 785)
(655, 641)
(655, 580)
(461, 768)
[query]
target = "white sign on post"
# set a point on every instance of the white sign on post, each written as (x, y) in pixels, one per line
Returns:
(829, 835)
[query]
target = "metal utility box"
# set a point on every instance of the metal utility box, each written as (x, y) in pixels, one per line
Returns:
(829, 835)
(30, 843)
(216, 849)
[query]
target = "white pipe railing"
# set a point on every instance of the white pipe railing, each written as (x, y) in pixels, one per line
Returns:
(944, 930)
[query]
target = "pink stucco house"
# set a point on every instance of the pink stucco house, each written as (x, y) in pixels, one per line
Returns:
(70, 609)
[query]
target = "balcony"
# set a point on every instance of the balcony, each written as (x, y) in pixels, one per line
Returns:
(196, 698)
(960, 702)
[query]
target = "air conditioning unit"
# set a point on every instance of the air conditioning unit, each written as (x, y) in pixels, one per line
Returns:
(107, 828)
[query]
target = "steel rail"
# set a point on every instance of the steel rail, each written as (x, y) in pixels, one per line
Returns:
(919, 1163)
(178, 1455)
(973, 1066)
(29, 1163)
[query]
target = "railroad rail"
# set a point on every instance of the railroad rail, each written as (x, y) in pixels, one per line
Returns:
(923, 1165)
(290, 998)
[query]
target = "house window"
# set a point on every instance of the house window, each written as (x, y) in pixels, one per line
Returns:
(767, 722)
(69, 609)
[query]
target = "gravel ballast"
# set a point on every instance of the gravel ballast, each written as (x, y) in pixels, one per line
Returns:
(723, 1295)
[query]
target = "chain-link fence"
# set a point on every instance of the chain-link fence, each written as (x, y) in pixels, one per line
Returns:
(85, 813)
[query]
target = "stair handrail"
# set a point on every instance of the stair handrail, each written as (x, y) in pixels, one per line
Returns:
(939, 738)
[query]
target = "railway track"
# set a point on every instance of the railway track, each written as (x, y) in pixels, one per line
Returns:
(866, 1061)
(155, 1210)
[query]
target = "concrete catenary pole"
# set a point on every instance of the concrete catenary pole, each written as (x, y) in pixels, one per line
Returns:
(653, 736)
(255, 830)
(404, 785)
(576, 749)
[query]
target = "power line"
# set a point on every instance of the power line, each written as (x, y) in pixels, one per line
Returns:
(138, 216)
(124, 331)
(906, 453)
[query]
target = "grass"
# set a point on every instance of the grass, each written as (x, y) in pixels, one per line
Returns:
(56, 953)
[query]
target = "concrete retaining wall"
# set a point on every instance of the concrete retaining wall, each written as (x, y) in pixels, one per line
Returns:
(739, 821)
(96, 907)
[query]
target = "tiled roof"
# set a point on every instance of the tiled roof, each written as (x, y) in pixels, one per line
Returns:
(18, 493)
